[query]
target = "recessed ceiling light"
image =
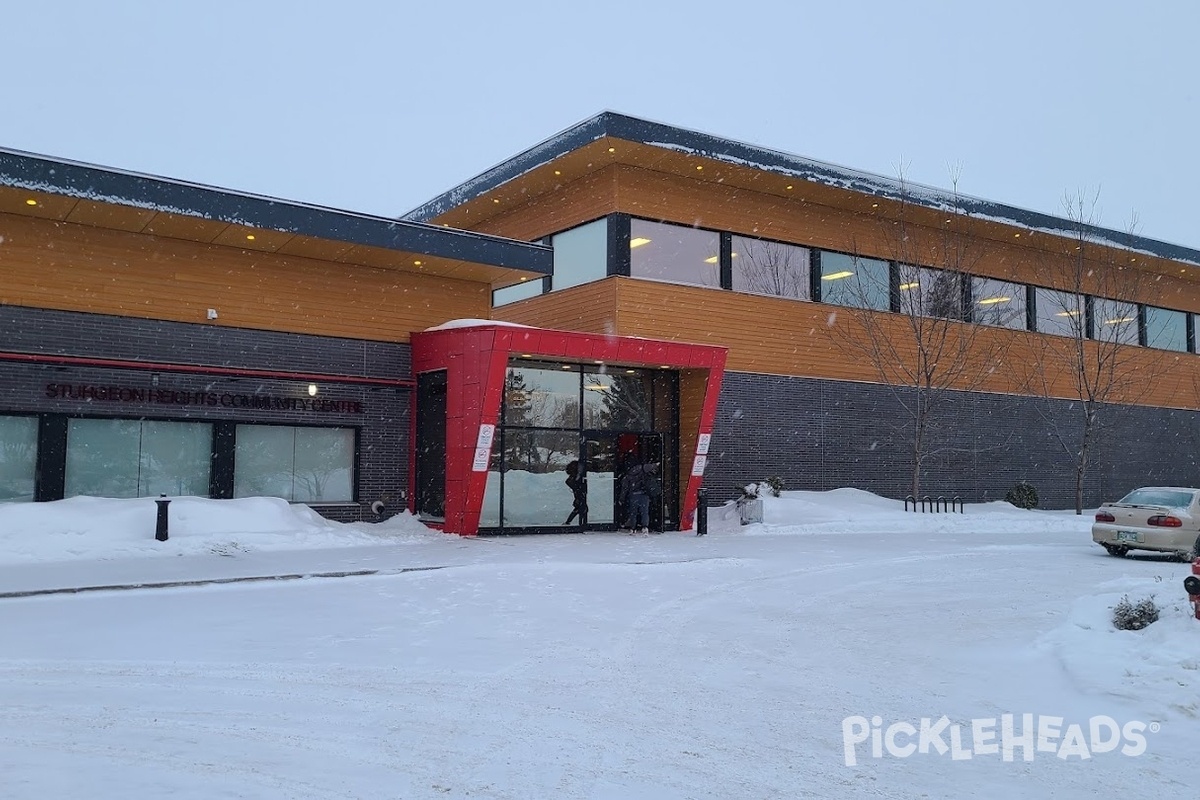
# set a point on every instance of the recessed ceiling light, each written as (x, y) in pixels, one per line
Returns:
(790, 187)
(495, 199)
(31, 202)
(250, 237)
(664, 366)
(699, 167)
(558, 172)
(631, 372)
(612, 149)
(566, 366)
(418, 263)
(1016, 235)
(638, 242)
(874, 205)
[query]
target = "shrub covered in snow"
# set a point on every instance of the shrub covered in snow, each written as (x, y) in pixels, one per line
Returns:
(1022, 495)
(1129, 616)
(752, 491)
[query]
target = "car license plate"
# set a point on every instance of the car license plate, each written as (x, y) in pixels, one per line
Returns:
(1127, 536)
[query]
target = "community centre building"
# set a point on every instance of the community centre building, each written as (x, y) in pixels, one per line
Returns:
(624, 292)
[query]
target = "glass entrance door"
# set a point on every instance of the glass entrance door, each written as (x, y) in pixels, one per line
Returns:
(606, 456)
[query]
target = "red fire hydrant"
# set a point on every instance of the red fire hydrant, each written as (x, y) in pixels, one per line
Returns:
(1191, 584)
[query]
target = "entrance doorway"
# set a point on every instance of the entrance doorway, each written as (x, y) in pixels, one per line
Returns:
(606, 456)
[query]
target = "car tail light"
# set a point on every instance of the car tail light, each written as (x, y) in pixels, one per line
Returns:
(1104, 516)
(1164, 521)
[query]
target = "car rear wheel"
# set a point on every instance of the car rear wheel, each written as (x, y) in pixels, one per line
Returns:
(1118, 550)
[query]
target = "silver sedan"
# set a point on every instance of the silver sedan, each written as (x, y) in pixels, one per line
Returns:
(1163, 519)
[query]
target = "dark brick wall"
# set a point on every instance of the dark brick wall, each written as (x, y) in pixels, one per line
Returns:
(821, 434)
(383, 426)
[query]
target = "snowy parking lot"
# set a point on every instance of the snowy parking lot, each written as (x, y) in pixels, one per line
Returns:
(843, 648)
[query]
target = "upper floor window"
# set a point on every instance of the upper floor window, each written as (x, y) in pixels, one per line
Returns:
(1115, 321)
(519, 291)
(1060, 313)
(930, 292)
(1166, 330)
(998, 303)
(771, 268)
(580, 254)
(674, 253)
(854, 281)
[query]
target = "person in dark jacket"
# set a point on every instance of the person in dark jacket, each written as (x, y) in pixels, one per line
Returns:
(578, 493)
(639, 486)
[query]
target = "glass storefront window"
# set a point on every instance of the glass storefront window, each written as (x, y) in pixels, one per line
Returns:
(541, 396)
(1166, 330)
(535, 471)
(674, 253)
(770, 268)
(856, 282)
(580, 255)
(135, 458)
(554, 415)
(1115, 321)
(998, 303)
(930, 292)
(18, 458)
(1059, 313)
(304, 465)
(618, 401)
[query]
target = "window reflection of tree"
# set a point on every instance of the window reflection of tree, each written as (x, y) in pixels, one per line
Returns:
(519, 449)
(102, 457)
(626, 404)
(770, 268)
(17, 469)
(944, 296)
(321, 470)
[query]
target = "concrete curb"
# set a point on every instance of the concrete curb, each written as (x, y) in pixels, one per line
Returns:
(213, 581)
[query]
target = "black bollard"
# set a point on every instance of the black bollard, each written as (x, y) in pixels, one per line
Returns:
(701, 511)
(160, 530)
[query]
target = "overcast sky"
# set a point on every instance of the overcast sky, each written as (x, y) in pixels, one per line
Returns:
(380, 106)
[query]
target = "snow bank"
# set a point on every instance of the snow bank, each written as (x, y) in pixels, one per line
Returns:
(99, 528)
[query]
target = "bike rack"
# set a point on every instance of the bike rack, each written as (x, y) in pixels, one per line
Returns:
(936, 505)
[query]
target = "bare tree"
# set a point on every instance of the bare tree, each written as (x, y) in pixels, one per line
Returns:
(927, 350)
(1092, 317)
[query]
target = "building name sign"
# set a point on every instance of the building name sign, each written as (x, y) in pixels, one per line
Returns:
(175, 397)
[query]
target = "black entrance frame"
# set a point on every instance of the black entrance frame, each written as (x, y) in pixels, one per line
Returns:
(665, 514)
(629, 449)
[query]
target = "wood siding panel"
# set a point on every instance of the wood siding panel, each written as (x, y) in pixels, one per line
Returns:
(573, 204)
(78, 268)
(796, 338)
(590, 308)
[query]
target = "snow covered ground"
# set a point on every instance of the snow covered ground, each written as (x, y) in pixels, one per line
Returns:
(797, 658)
